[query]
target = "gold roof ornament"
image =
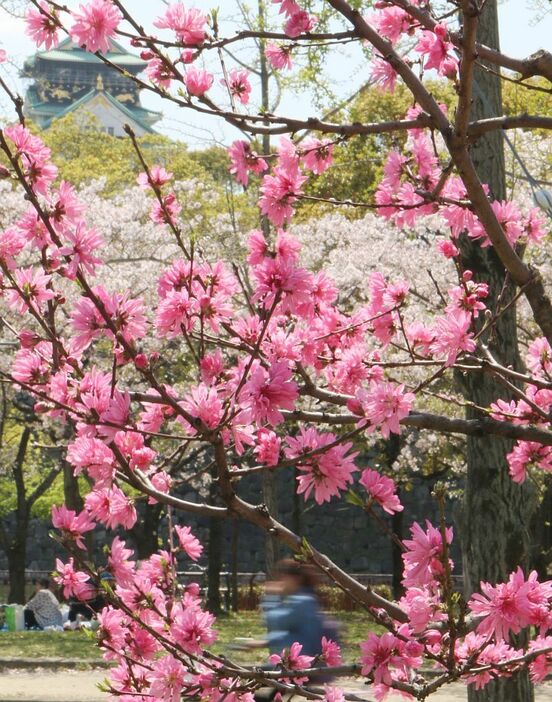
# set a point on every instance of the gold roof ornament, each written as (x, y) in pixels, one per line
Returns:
(99, 82)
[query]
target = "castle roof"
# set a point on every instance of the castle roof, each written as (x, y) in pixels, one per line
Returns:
(67, 52)
(64, 80)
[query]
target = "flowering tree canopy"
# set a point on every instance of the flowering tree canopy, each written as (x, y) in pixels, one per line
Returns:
(283, 373)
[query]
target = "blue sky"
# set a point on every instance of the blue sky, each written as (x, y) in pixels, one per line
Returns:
(521, 35)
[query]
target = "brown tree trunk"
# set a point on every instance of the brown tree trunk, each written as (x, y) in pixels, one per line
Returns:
(397, 521)
(146, 530)
(496, 510)
(272, 546)
(214, 565)
(214, 555)
(71, 492)
(16, 554)
(234, 550)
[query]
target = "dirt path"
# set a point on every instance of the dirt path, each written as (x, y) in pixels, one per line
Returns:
(80, 686)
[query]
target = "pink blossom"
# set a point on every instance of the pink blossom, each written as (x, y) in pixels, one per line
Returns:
(447, 248)
(511, 606)
(111, 507)
(381, 489)
(167, 679)
(160, 72)
(41, 26)
(385, 404)
(287, 7)
(11, 245)
(292, 659)
(166, 211)
(187, 24)
(35, 158)
(468, 296)
(475, 649)
(333, 694)
(81, 243)
(189, 542)
(120, 563)
(287, 246)
(525, 454)
(383, 655)
(115, 415)
(424, 555)
(192, 629)
(269, 391)
(453, 335)
(244, 160)
(434, 45)
(212, 367)
(204, 403)
(156, 178)
(383, 74)
(420, 338)
(174, 314)
(267, 447)
(74, 582)
(535, 226)
(279, 191)
(93, 456)
(72, 524)
(328, 471)
(162, 482)
(509, 216)
(300, 23)
(540, 666)
(95, 24)
(66, 208)
(238, 84)
(113, 630)
(390, 22)
(188, 56)
(198, 81)
(33, 290)
(132, 448)
(331, 652)
(280, 278)
(422, 606)
(279, 56)
(539, 357)
(30, 367)
(317, 155)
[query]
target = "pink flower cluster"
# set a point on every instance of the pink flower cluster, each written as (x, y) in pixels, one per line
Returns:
(270, 363)
(298, 21)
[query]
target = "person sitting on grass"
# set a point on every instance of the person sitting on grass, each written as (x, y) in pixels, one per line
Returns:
(42, 610)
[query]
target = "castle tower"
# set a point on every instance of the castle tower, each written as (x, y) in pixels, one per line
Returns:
(69, 79)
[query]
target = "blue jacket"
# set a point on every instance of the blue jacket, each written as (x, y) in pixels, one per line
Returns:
(296, 617)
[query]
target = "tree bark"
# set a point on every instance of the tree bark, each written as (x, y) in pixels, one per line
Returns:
(146, 530)
(272, 546)
(497, 511)
(234, 551)
(214, 555)
(71, 492)
(16, 554)
(297, 506)
(397, 521)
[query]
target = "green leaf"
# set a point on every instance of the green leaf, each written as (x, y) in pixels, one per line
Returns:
(353, 498)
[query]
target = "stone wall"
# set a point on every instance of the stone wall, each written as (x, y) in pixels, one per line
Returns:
(342, 531)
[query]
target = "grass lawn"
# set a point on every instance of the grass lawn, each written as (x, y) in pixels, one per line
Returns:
(79, 645)
(47, 644)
